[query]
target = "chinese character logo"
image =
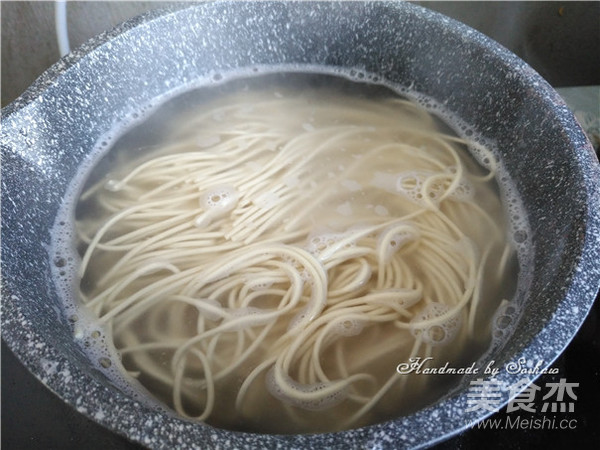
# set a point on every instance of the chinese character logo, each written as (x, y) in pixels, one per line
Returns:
(484, 395)
(559, 389)
(524, 395)
(488, 394)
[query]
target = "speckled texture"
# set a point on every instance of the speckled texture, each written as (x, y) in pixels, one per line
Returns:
(49, 130)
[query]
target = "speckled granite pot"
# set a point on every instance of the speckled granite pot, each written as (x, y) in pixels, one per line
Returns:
(49, 130)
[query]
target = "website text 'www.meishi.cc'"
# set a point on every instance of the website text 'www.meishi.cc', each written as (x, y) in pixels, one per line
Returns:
(526, 423)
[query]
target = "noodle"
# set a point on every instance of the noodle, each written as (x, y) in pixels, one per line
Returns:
(295, 247)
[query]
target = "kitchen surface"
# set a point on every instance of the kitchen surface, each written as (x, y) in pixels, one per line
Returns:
(560, 40)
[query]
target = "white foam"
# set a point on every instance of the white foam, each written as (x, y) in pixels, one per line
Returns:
(259, 284)
(440, 333)
(219, 198)
(321, 242)
(504, 321)
(381, 210)
(348, 327)
(345, 209)
(385, 181)
(216, 202)
(308, 127)
(208, 141)
(305, 396)
(464, 191)
(351, 185)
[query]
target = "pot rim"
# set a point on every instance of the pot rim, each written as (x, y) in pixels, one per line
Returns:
(578, 299)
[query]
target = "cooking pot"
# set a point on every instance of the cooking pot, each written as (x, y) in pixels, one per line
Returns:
(50, 130)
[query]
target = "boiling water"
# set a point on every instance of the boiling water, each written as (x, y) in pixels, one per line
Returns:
(342, 195)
